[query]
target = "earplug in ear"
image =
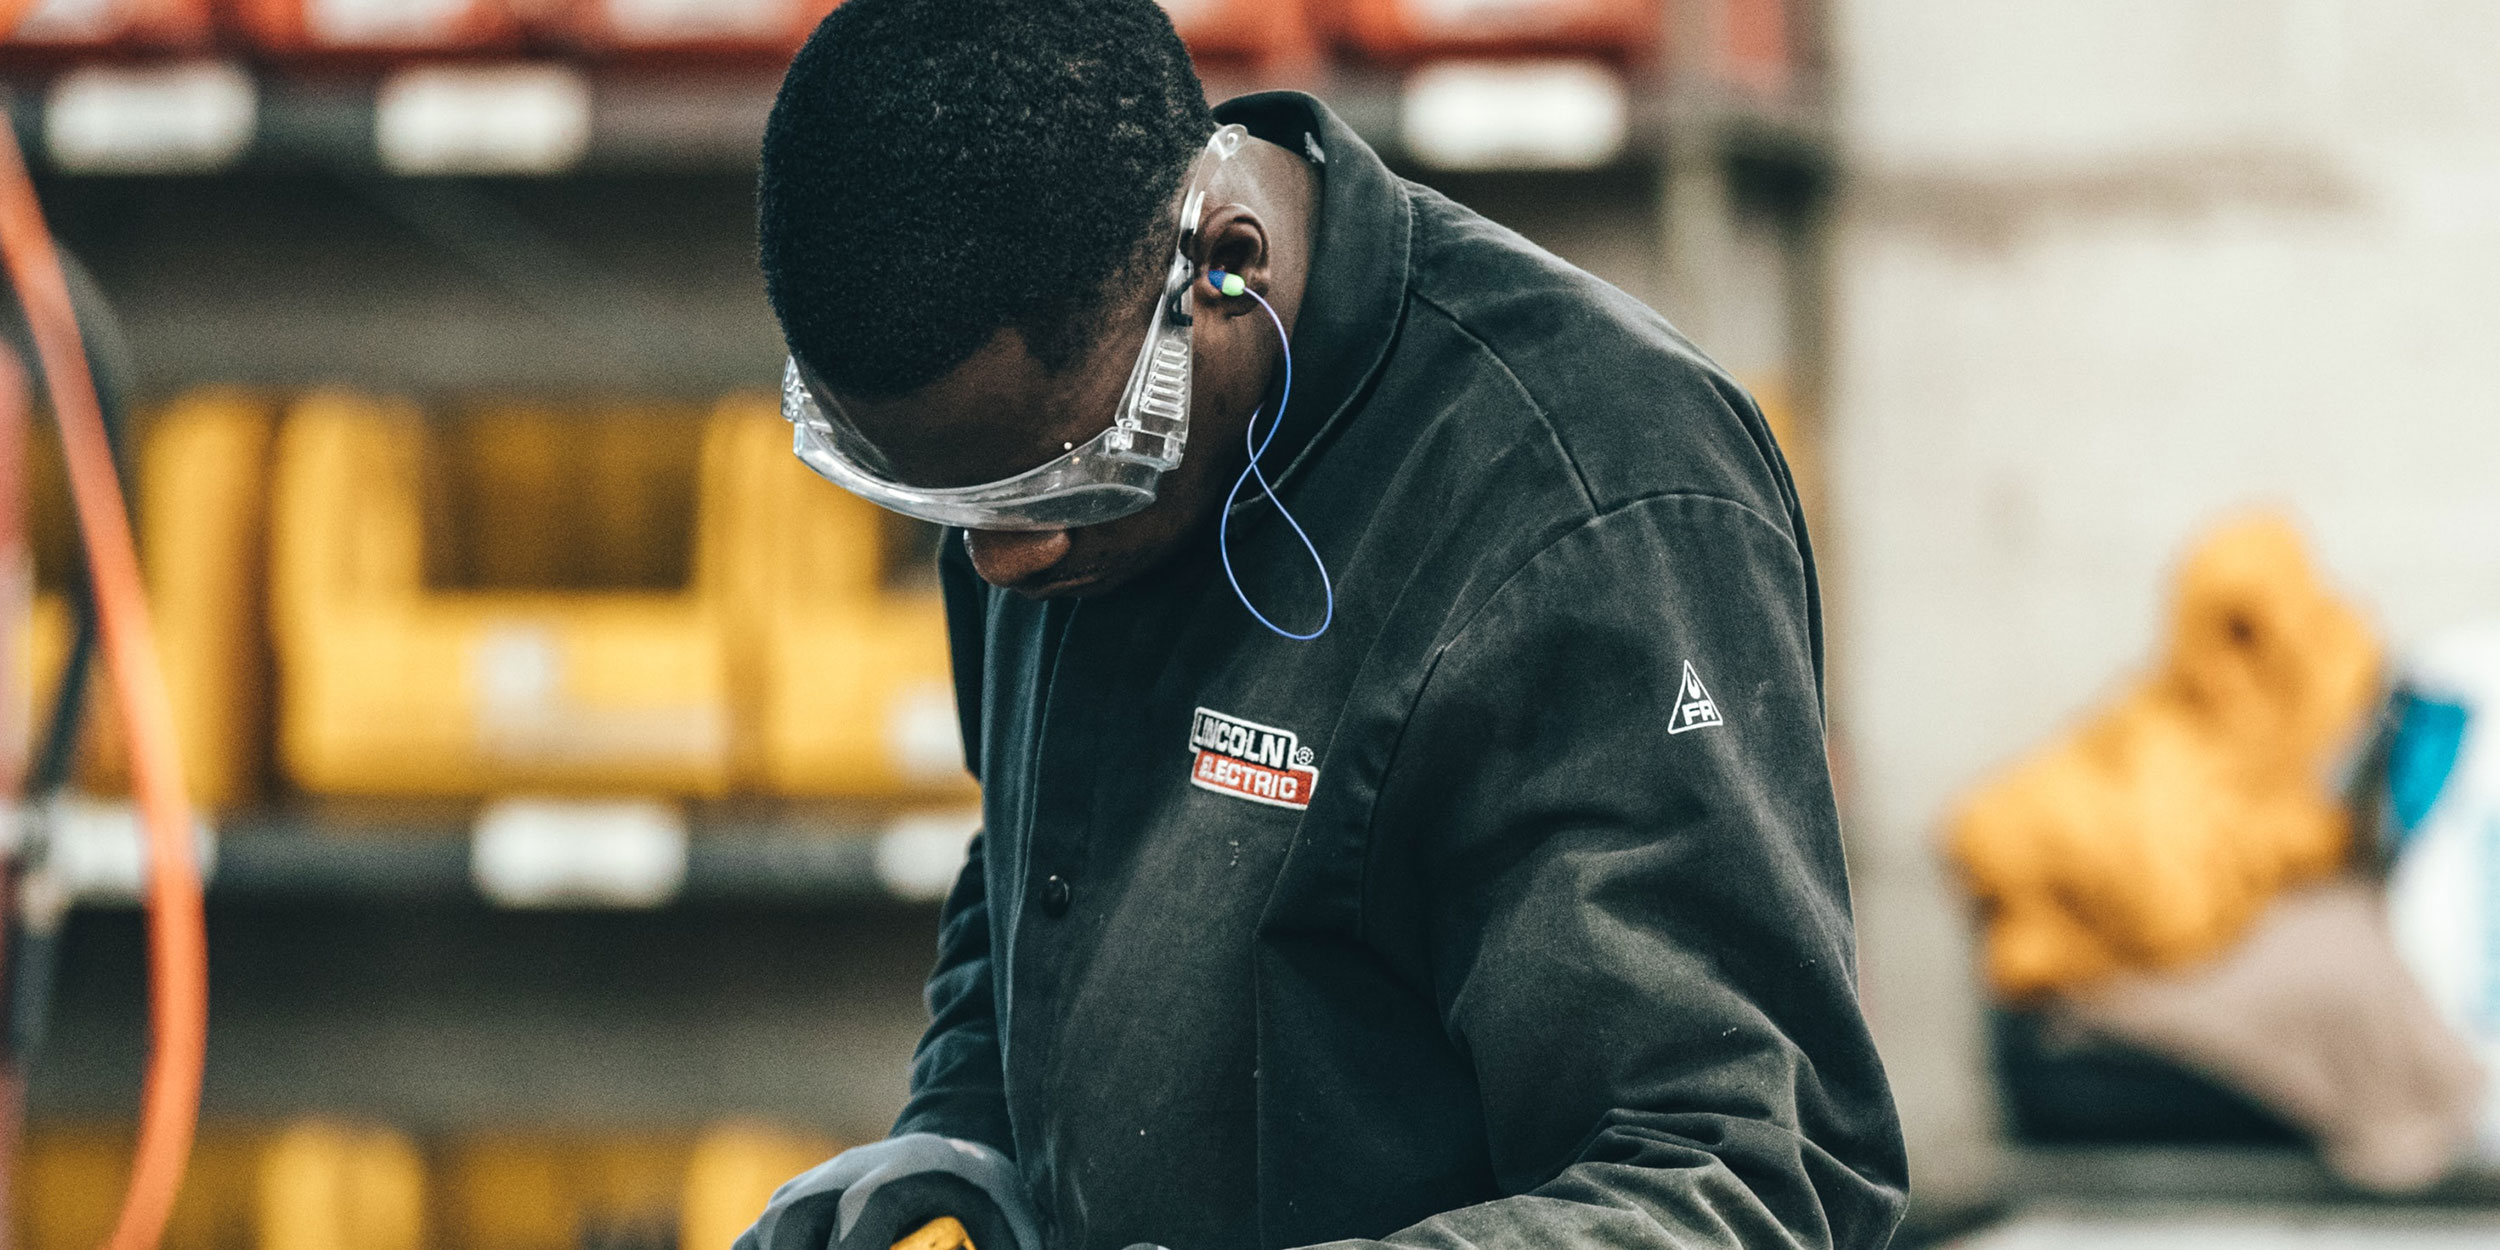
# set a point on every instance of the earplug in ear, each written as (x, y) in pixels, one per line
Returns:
(1228, 283)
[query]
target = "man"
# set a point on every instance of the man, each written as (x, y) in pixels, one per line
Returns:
(1509, 908)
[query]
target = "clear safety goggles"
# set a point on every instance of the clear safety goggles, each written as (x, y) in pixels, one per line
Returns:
(1109, 476)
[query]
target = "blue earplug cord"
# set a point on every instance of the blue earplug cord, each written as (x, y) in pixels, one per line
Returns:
(1232, 285)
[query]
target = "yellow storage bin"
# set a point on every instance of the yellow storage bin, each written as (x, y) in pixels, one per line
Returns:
(394, 687)
(313, 1185)
(845, 673)
(545, 1191)
(330, 1186)
(533, 498)
(42, 649)
(319, 1184)
(548, 1192)
(71, 1177)
(732, 1172)
(201, 491)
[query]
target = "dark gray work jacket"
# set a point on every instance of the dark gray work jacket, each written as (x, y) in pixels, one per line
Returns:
(1508, 913)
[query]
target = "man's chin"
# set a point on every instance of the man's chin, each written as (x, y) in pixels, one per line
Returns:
(1099, 580)
(1079, 587)
(1110, 563)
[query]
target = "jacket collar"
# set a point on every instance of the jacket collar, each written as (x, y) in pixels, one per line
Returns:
(1356, 291)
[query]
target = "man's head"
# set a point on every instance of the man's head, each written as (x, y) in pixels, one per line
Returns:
(965, 213)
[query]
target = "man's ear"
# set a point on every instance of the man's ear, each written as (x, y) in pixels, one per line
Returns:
(1233, 238)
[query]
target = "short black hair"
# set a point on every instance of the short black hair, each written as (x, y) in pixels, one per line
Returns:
(935, 171)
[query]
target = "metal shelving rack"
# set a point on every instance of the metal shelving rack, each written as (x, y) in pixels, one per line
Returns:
(651, 123)
(799, 857)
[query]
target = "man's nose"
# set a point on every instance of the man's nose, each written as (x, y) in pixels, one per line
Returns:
(1015, 560)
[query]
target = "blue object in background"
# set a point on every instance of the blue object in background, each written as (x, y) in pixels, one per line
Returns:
(2430, 734)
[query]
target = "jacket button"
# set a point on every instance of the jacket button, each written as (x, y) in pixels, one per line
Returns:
(1055, 896)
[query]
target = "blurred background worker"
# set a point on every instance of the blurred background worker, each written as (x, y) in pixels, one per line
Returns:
(1391, 657)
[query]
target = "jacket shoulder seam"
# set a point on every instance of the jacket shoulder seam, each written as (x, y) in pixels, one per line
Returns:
(1545, 420)
(1529, 561)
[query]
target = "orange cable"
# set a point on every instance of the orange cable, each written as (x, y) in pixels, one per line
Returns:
(16, 572)
(177, 917)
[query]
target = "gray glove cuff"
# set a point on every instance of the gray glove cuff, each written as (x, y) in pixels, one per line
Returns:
(857, 1174)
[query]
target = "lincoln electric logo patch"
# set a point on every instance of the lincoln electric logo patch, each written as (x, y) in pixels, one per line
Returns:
(1250, 761)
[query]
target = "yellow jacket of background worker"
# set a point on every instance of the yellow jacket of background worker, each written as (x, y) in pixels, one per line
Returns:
(2154, 833)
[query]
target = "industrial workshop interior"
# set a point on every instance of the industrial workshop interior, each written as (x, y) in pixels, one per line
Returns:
(472, 787)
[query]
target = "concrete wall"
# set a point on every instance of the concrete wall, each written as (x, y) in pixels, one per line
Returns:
(2103, 270)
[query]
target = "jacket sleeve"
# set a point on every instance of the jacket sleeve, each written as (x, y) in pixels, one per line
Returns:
(1632, 897)
(958, 1081)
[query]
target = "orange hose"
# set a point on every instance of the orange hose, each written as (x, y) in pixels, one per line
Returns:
(177, 918)
(15, 575)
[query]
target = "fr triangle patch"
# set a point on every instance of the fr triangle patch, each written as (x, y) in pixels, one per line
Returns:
(1694, 708)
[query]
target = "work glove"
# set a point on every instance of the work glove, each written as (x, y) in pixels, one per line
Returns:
(869, 1197)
